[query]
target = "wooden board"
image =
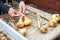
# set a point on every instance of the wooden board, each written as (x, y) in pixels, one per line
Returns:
(33, 32)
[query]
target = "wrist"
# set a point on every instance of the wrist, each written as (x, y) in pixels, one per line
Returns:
(21, 1)
(9, 10)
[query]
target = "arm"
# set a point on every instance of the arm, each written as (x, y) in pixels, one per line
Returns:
(20, 0)
(10, 1)
(3, 7)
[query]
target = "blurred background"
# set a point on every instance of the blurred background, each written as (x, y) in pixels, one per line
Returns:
(51, 6)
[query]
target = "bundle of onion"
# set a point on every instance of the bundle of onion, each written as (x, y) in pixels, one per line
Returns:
(27, 21)
(43, 28)
(23, 21)
(23, 31)
(20, 23)
(55, 18)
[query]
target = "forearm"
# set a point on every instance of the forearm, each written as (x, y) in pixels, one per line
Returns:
(20, 0)
(4, 1)
(3, 7)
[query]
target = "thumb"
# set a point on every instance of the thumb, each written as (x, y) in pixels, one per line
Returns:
(17, 13)
(21, 9)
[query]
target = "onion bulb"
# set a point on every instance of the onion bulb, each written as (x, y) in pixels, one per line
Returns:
(23, 31)
(44, 28)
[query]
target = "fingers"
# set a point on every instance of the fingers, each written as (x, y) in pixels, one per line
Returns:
(17, 13)
(22, 7)
(13, 13)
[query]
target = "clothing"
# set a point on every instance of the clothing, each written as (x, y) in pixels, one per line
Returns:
(5, 8)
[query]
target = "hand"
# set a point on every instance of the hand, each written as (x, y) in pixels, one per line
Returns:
(12, 13)
(22, 7)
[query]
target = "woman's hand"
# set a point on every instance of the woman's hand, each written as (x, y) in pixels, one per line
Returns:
(22, 7)
(12, 13)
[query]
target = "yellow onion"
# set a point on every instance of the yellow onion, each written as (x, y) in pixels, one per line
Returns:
(52, 23)
(27, 21)
(20, 23)
(44, 28)
(23, 31)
